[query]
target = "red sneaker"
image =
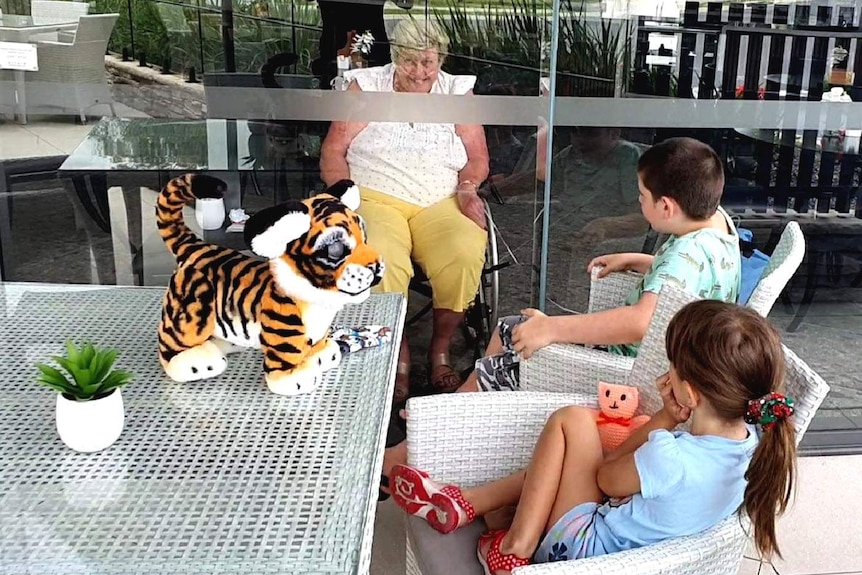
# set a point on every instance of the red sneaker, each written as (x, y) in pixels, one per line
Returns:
(443, 507)
(492, 560)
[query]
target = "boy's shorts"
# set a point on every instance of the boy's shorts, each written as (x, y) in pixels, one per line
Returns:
(500, 372)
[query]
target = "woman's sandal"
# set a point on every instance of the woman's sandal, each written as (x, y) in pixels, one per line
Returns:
(402, 383)
(447, 380)
(383, 495)
(495, 560)
(443, 507)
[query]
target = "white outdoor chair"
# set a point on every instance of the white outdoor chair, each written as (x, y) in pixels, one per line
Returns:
(55, 12)
(72, 76)
(471, 438)
(576, 364)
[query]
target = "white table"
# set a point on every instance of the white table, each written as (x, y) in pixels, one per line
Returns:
(14, 28)
(208, 478)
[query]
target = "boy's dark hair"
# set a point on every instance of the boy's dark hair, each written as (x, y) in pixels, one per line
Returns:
(687, 171)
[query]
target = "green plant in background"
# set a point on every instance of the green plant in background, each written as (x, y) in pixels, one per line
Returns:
(593, 55)
(190, 34)
(500, 42)
(90, 371)
(20, 7)
(504, 46)
(501, 45)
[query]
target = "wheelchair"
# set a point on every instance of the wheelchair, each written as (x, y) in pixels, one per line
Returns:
(480, 318)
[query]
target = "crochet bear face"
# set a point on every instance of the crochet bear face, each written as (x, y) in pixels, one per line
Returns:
(618, 401)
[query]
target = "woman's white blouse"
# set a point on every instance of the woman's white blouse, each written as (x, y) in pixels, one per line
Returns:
(414, 162)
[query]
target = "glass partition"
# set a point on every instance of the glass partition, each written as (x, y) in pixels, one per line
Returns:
(568, 96)
(774, 89)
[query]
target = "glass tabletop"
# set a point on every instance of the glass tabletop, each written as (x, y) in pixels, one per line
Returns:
(16, 21)
(146, 144)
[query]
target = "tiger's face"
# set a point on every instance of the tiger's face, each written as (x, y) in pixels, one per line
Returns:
(317, 247)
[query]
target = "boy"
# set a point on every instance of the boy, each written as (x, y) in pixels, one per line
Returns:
(680, 182)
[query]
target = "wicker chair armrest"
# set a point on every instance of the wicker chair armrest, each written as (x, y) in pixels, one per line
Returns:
(472, 438)
(66, 36)
(716, 551)
(568, 368)
(612, 290)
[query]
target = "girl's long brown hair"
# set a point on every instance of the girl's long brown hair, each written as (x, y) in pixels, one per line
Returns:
(731, 355)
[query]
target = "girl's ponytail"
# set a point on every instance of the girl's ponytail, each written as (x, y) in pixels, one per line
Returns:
(772, 470)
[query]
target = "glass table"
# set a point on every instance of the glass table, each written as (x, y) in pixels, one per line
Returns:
(212, 477)
(146, 153)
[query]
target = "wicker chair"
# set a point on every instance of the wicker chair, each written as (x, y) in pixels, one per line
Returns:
(72, 76)
(786, 259)
(55, 12)
(582, 365)
(453, 438)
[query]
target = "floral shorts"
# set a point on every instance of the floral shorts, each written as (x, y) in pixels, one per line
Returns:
(500, 372)
(571, 537)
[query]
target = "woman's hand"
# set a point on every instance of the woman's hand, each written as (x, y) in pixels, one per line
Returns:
(677, 412)
(533, 334)
(472, 205)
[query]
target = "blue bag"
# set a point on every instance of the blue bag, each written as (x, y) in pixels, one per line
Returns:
(753, 261)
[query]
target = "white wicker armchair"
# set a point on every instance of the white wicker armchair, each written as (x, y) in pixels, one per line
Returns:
(455, 440)
(55, 12)
(785, 260)
(72, 76)
(567, 368)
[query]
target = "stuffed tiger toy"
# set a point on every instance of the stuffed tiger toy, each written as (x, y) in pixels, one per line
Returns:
(219, 300)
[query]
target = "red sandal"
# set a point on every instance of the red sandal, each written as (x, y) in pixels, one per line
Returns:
(443, 507)
(496, 561)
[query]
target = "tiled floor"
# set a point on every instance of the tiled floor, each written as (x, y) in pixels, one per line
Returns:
(819, 535)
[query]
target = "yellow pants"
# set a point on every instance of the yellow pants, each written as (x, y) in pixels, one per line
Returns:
(447, 245)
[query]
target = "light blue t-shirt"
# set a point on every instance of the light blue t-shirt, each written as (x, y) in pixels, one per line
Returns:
(688, 484)
(705, 262)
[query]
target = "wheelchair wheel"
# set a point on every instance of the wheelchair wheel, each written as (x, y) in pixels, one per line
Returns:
(481, 317)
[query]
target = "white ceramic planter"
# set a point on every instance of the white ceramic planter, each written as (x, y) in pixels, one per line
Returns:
(93, 425)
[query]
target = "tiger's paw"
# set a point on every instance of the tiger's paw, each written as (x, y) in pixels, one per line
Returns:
(296, 382)
(329, 357)
(200, 362)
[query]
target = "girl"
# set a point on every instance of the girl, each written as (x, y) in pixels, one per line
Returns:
(726, 374)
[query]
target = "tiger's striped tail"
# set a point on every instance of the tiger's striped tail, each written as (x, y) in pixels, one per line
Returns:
(174, 196)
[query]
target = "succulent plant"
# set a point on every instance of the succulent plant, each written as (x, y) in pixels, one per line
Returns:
(90, 371)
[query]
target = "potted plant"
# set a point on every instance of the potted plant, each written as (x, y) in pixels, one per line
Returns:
(90, 413)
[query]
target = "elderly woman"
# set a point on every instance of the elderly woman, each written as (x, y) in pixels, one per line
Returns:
(419, 186)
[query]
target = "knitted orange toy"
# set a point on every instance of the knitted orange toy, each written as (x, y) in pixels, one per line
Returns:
(616, 419)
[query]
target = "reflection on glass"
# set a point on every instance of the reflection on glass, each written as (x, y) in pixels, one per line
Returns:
(137, 144)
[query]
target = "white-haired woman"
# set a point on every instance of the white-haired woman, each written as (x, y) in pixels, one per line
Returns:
(419, 184)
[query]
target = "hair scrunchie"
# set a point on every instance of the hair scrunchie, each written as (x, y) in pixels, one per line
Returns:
(768, 409)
